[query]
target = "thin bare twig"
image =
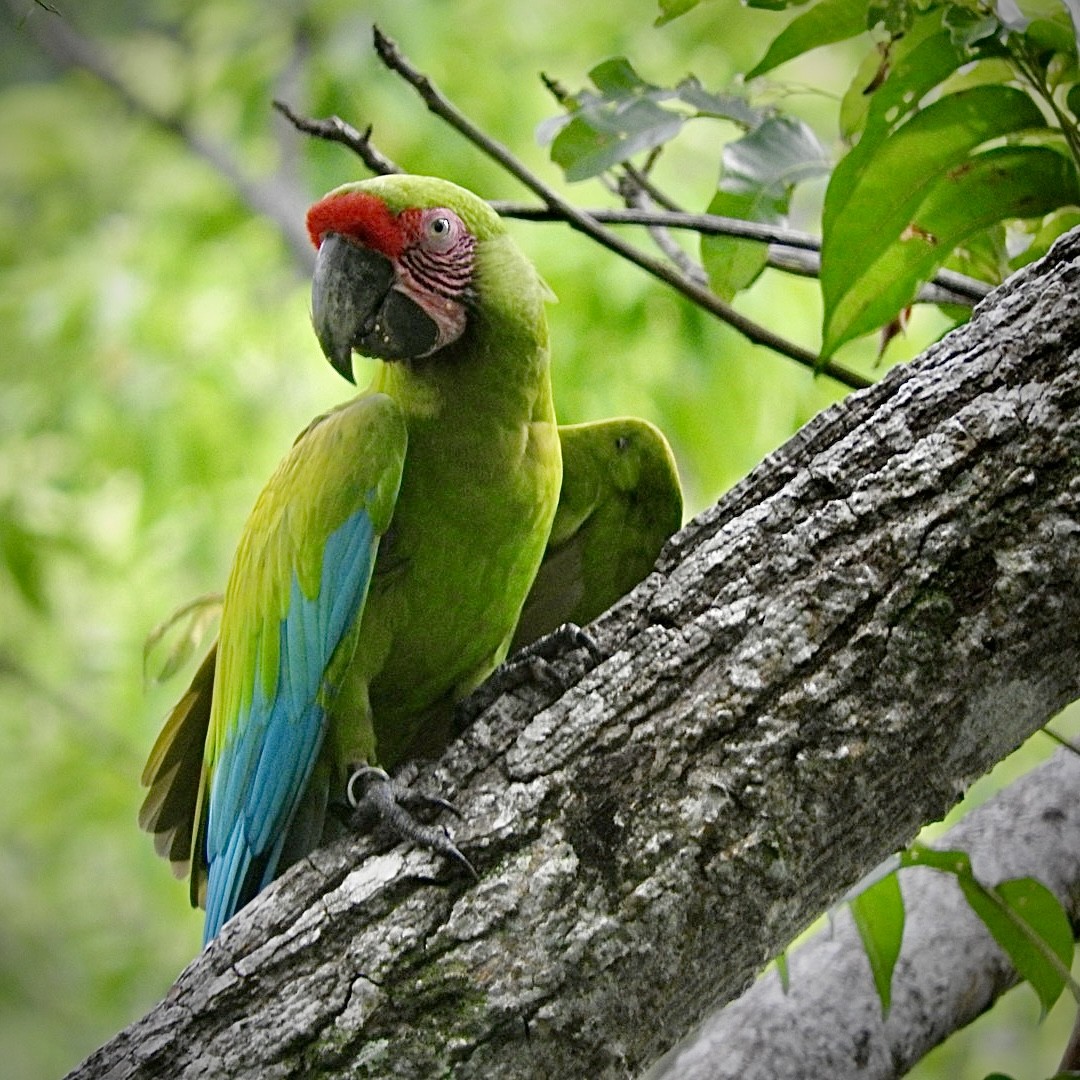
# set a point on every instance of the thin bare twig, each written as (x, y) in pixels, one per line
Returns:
(638, 194)
(950, 287)
(791, 251)
(643, 182)
(392, 57)
(334, 129)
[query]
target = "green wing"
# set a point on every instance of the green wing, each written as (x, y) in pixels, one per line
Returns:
(295, 595)
(620, 501)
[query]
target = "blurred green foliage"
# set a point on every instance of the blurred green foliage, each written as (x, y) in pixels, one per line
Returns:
(156, 359)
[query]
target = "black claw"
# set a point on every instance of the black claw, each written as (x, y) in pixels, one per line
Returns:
(389, 802)
(536, 658)
(583, 640)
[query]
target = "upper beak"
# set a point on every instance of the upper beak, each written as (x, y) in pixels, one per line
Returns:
(348, 290)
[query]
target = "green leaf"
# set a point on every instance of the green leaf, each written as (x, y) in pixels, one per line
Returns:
(626, 115)
(672, 9)
(773, 158)
(880, 197)
(918, 64)
(583, 150)
(995, 185)
(879, 917)
(967, 26)
(616, 78)
(731, 107)
(1051, 35)
(1028, 922)
(733, 264)
(783, 971)
(855, 104)
(896, 16)
(624, 119)
(774, 5)
(952, 862)
(1043, 236)
(983, 256)
(21, 553)
(1024, 917)
(826, 22)
(895, 75)
(759, 172)
(899, 168)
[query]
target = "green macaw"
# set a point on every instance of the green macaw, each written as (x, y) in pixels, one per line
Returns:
(381, 573)
(431, 626)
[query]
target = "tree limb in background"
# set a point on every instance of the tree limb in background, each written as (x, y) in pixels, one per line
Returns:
(275, 198)
(829, 1021)
(820, 664)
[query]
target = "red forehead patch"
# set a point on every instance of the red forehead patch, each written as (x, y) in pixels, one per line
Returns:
(360, 215)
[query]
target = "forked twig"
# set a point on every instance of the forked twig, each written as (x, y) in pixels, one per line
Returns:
(334, 129)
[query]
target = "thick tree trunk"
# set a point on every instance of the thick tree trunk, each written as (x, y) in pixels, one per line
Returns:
(821, 663)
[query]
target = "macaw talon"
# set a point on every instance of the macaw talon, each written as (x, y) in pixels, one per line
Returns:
(388, 801)
(578, 638)
(536, 660)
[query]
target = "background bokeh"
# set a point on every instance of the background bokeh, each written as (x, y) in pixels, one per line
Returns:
(156, 359)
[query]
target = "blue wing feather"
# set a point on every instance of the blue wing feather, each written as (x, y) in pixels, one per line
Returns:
(268, 757)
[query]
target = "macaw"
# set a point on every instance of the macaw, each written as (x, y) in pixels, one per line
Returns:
(381, 573)
(379, 693)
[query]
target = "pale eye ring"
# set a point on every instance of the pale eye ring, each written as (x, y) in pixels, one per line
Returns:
(441, 230)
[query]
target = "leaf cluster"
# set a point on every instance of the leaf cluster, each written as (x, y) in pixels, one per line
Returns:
(1024, 917)
(959, 147)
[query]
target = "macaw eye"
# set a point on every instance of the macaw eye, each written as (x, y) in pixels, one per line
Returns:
(442, 230)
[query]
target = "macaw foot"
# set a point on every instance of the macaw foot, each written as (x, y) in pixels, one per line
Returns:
(536, 657)
(374, 794)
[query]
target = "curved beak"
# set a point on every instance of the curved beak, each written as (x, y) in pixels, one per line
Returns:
(348, 291)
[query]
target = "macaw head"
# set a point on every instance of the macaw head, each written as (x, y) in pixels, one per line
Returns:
(395, 275)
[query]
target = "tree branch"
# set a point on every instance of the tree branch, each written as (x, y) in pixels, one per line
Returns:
(829, 1023)
(947, 286)
(392, 57)
(819, 665)
(334, 129)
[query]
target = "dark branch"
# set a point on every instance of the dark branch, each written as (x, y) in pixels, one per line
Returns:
(392, 57)
(790, 250)
(950, 287)
(638, 197)
(334, 129)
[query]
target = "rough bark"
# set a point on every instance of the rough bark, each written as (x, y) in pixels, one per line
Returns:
(950, 970)
(821, 663)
